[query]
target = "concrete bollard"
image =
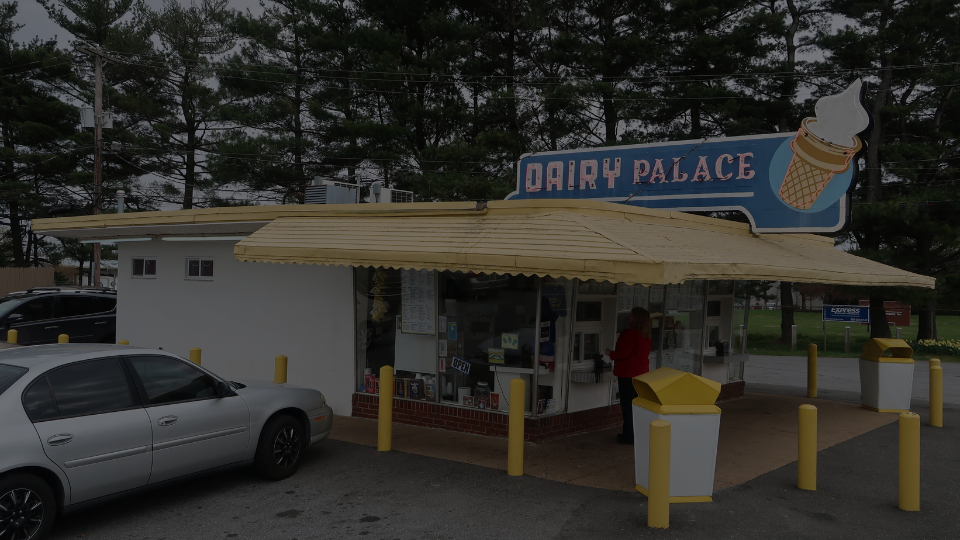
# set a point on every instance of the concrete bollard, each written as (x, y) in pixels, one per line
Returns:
(793, 338)
(12, 336)
(515, 428)
(846, 339)
(385, 418)
(812, 370)
(280, 369)
(909, 462)
(195, 356)
(807, 448)
(936, 396)
(63, 338)
(123, 342)
(658, 503)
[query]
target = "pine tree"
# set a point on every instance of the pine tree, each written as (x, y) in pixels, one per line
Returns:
(191, 39)
(904, 210)
(40, 144)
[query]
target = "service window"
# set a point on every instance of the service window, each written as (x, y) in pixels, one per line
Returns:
(77, 306)
(168, 380)
(144, 267)
(199, 268)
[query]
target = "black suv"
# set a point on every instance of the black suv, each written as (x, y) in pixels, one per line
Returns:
(39, 315)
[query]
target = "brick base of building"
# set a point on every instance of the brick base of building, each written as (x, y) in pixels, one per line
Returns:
(730, 392)
(494, 424)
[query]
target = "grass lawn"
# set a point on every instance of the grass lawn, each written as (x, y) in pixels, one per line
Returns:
(764, 334)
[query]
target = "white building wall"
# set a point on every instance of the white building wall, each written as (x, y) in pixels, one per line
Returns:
(246, 316)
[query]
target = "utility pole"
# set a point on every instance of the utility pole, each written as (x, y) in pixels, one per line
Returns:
(97, 149)
(97, 153)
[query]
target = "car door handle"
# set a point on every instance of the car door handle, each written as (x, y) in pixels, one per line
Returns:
(167, 421)
(57, 440)
(101, 322)
(50, 327)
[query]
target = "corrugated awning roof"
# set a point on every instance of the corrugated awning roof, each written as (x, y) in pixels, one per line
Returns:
(575, 239)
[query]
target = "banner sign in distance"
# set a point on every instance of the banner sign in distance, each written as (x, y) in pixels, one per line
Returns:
(858, 314)
(783, 182)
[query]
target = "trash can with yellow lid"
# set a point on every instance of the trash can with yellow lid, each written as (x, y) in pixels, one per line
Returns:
(688, 402)
(886, 375)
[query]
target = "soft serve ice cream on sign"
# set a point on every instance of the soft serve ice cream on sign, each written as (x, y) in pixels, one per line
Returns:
(824, 146)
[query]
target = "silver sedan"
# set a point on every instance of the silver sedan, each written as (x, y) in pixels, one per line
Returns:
(82, 424)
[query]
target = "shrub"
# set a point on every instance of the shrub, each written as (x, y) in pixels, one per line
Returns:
(946, 347)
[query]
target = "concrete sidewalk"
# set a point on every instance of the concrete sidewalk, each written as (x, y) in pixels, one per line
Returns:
(757, 435)
(839, 378)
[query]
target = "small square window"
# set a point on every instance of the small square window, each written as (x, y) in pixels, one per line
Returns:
(199, 268)
(144, 267)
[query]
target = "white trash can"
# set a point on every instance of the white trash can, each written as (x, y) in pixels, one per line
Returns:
(688, 402)
(886, 382)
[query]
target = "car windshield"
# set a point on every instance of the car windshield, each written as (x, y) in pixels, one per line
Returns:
(7, 303)
(9, 375)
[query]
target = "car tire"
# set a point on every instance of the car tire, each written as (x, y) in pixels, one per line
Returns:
(281, 448)
(27, 506)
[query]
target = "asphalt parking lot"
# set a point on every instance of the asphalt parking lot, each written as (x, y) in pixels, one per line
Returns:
(346, 490)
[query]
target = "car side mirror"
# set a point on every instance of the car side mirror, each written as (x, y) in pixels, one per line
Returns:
(14, 318)
(223, 390)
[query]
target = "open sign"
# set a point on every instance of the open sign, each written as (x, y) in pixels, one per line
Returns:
(460, 365)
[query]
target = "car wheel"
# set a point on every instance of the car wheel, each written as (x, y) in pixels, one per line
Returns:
(27, 507)
(280, 448)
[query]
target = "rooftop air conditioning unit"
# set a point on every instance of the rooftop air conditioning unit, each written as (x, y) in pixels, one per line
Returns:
(380, 194)
(330, 192)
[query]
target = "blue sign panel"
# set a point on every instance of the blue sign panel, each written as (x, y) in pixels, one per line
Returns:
(783, 182)
(858, 314)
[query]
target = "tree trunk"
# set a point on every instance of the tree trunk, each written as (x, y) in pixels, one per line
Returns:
(927, 329)
(189, 175)
(879, 328)
(786, 310)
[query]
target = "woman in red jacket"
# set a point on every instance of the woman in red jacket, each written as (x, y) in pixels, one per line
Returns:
(631, 358)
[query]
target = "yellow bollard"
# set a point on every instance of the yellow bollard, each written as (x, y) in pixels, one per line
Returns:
(515, 428)
(658, 503)
(63, 338)
(934, 362)
(936, 396)
(123, 342)
(195, 356)
(812, 370)
(910, 461)
(12, 336)
(807, 448)
(385, 419)
(280, 369)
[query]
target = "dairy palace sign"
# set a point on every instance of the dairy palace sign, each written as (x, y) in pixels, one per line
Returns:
(783, 182)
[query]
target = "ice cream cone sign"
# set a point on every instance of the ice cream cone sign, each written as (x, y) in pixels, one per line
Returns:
(824, 146)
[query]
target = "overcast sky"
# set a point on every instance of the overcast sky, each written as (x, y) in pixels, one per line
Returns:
(36, 22)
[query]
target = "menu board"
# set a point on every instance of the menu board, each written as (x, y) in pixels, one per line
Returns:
(418, 304)
(631, 296)
(673, 297)
(624, 298)
(656, 293)
(641, 296)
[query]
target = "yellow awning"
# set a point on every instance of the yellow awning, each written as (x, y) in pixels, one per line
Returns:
(568, 238)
